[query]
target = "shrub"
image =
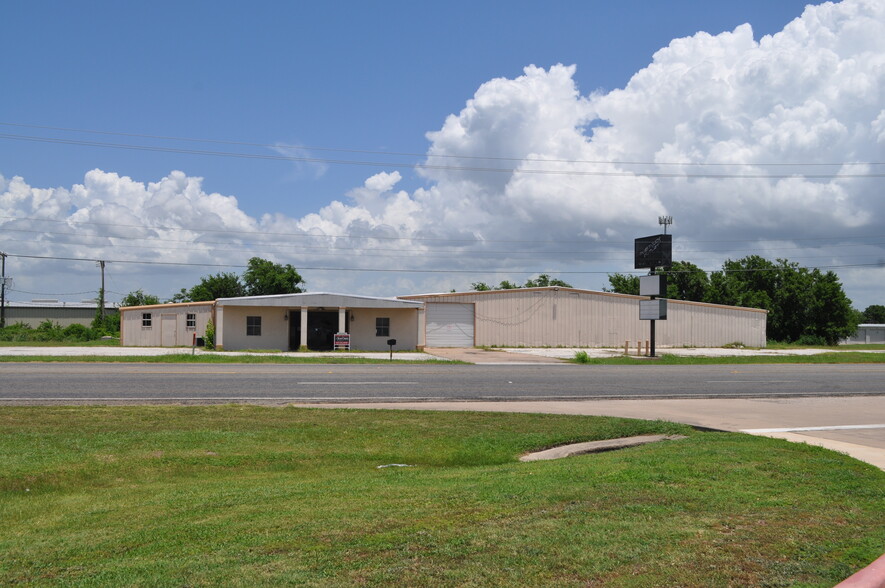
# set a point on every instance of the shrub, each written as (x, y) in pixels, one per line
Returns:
(77, 332)
(811, 340)
(210, 335)
(582, 357)
(17, 332)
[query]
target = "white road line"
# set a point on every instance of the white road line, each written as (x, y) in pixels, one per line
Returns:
(751, 381)
(345, 383)
(800, 429)
(226, 398)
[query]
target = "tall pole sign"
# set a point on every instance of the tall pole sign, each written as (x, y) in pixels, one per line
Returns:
(3, 290)
(651, 253)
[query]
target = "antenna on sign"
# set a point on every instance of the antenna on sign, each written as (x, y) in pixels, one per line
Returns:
(665, 220)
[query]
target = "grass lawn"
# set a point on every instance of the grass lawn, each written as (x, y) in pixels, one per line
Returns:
(95, 343)
(664, 358)
(244, 495)
(216, 359)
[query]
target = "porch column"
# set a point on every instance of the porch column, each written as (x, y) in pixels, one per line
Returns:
(422, 329)
(219, 328)
(303, 342)
(342, 319)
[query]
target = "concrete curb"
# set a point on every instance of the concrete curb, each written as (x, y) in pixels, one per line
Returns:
(597, 447)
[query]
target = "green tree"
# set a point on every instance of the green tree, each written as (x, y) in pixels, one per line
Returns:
(804, 305)
(747, 282)
(507, 285)
(830, 315)
(686, 281)
(139, 298)
(263, 277)
(480, 287)
(222, 285)
(103, 321)
(182, 296)
(622, 284)
(544, 280)
(874, 315)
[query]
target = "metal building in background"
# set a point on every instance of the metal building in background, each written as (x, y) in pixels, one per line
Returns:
(866, 334)
(530, 317)
(569, 317)
(63, 313)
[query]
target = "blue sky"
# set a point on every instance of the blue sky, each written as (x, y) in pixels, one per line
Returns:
(354, 75)
(374, 77)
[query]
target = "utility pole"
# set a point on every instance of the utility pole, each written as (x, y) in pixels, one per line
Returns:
(101, 292)
(2, 290)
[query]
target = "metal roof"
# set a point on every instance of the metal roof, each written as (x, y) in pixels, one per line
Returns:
(56, 304)
(319, 299)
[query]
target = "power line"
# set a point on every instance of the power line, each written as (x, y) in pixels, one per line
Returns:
(54, 293)
(409, 270)
(475, 240)
(412, 154)
(427, 166)
(386, 253)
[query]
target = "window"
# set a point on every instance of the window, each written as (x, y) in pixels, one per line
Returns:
(382, 327)
(253, 326)
(146, 320)
(191, 322)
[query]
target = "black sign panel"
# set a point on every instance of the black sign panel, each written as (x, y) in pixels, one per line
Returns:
(653, 251)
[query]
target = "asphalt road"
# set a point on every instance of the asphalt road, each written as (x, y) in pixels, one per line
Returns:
(28, 383)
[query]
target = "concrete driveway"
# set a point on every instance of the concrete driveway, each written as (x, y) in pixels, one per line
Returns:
(492, 357)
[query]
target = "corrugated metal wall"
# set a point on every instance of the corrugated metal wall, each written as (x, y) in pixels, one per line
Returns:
(867, 334)
(548, 317)
(64, 316)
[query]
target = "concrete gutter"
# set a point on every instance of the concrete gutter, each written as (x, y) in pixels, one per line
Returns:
(597, 447)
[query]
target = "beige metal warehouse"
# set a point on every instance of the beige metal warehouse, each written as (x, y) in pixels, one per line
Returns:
(569, 317)
(530, 317)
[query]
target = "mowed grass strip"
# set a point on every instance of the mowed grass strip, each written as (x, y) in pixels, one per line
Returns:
(244, 496)
(664, 358)
(218, 359)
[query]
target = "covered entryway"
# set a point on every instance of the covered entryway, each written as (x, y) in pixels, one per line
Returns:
(321, 328)
(311, 319)
(449, 324)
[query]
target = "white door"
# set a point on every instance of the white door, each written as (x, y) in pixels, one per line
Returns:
(168, 330)
(449, 325)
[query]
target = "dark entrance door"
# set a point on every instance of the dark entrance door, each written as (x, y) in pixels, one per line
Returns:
(321, 328)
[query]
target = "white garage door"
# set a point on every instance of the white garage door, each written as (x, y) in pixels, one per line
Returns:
(449, 325)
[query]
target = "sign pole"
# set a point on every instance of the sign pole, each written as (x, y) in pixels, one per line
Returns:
(652, 252)
(652, 326)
